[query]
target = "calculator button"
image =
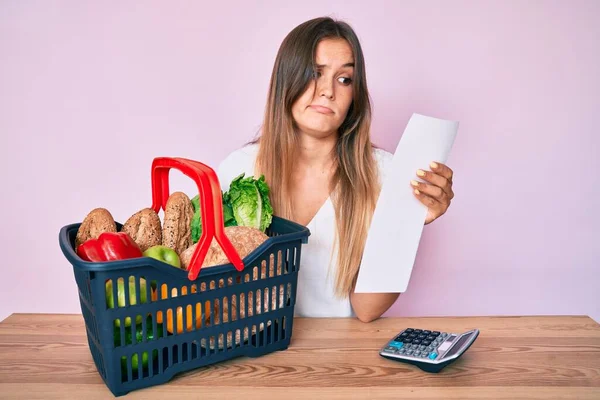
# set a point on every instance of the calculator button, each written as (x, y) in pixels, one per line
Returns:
(389, 349)
(444, 334)
(426, 332)
(422, 347)
(426, 342)
(435, 333)
(432, 356)
(409, 330)
(430, 337)
(409, 352)
(416, 341)
(421, 336)
(396, 344)
(418, 331)
(409, 340)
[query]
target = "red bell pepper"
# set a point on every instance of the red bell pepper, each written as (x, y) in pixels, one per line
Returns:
(109, 246)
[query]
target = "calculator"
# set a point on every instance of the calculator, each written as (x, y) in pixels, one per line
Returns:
(431, 351)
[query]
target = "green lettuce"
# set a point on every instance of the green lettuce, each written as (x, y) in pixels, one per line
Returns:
(196, 224)
(228, 217)
(250, 202)
(246, 203)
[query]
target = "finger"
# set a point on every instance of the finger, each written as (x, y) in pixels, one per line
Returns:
(431, 190)
(429, 201)
(442, 169)
(435, 179)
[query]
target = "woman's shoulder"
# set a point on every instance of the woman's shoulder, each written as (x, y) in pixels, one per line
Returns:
(381, 155)
(244, 153)
(237, 162)
(384, 159)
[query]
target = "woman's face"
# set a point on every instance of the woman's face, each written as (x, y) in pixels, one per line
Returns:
(323, 106)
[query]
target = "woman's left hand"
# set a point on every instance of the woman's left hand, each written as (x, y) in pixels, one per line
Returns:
(436, 193)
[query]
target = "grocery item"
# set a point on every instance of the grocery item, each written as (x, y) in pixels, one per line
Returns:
(177, 222)
(110, 297)
(109, 246)
(246, 203)
(138, 339)
(164, 254)
(249, 199)
(145, 228)
(98, 221)
(228, 219)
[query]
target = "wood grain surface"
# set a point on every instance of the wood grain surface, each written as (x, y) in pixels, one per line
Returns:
(46, 356)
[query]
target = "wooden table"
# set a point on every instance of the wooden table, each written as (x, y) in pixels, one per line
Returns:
(47, 356)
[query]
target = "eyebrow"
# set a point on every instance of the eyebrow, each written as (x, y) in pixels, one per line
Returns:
(350, 64)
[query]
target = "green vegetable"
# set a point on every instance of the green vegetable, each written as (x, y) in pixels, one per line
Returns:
(267, 214)
(246, 203)
(196, 225)
(228, 217)
(138, 339)
(110, 301)
(250, 202)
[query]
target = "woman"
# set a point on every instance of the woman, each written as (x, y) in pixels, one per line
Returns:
(317, 157)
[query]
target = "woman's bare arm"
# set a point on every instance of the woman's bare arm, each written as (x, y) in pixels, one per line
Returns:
(370, 306)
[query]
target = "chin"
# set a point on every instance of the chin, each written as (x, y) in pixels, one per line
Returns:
(320, 133)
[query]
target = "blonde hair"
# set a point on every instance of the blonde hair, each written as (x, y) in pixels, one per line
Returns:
(355, 185)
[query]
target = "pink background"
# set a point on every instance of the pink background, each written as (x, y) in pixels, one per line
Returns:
(90, 93)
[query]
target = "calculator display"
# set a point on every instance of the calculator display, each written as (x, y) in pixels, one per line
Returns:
(446, 344)
(455, 349)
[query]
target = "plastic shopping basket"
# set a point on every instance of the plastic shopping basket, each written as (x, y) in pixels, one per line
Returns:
(169, 320)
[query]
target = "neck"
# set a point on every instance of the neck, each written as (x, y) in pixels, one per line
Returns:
(316, 152)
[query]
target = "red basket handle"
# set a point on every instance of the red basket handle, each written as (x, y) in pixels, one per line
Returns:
(211, 207)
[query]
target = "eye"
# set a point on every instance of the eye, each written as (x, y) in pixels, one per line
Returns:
(316, 74)
(345, 80)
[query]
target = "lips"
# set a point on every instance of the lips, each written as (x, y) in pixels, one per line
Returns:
(322, 109)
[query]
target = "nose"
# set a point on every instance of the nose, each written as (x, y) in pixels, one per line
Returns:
(326, 88)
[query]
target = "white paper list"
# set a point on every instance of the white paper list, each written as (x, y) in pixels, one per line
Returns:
(397, 224)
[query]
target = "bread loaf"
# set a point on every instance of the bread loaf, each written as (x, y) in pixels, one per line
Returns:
(145, 229)
(177, 232)
(98, 221)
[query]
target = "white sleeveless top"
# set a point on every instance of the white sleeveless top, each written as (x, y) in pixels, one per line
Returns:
(315, 292)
